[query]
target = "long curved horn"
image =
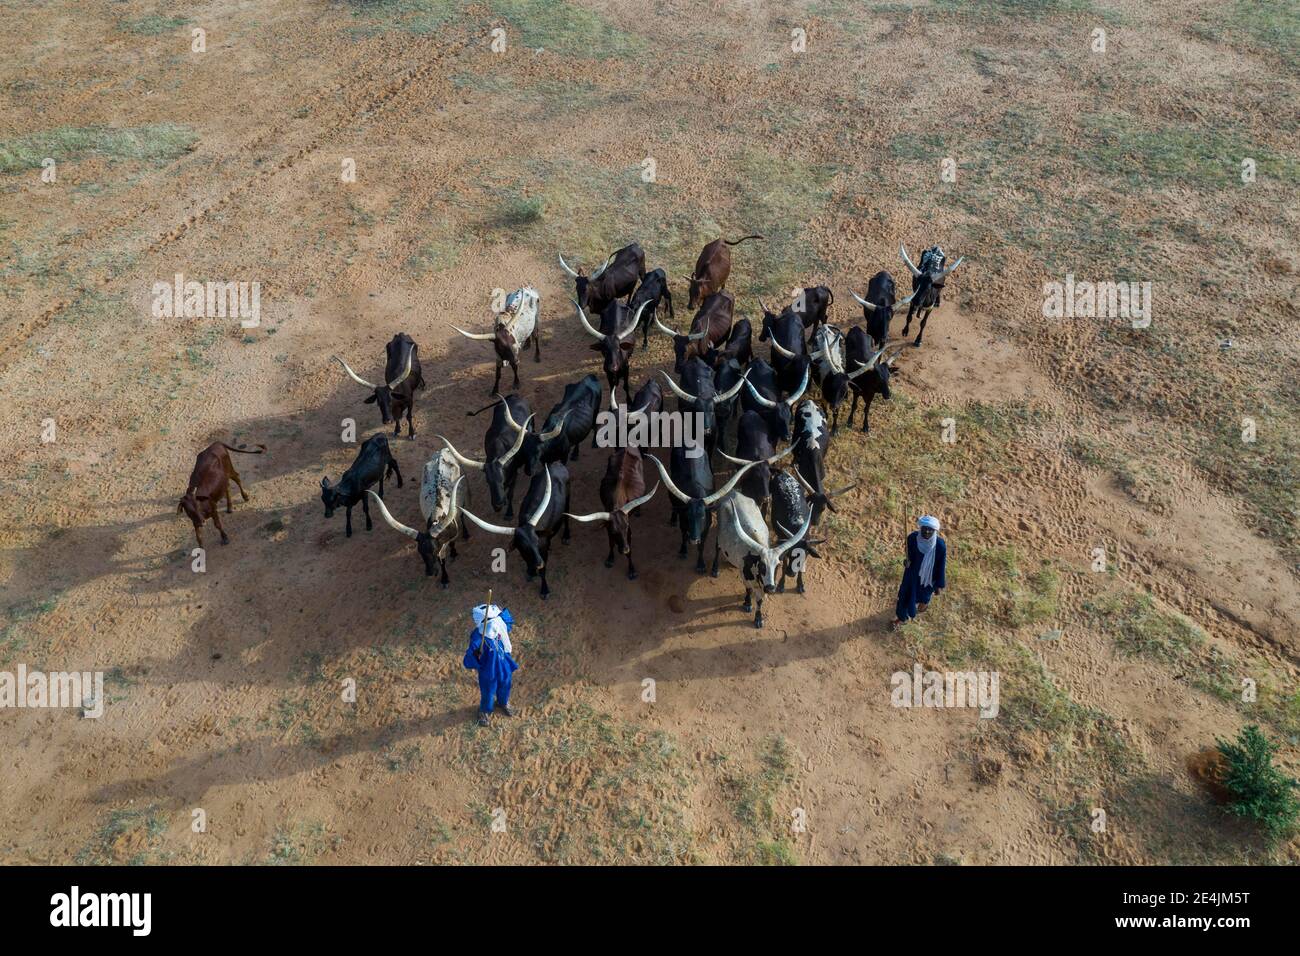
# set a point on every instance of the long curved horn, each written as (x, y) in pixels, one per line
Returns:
(799, 394)
(731, 393)
(781, 349)
(519, 442)
(841, 491)
(461, 459)
(635, 503)
(410, 357)
(907, 300)
(782, 549)
(763, 305)
(681, 392)
(744, 535)
(582, 317)
(902, 251)
(757, 461)
(663, 328)
(861, 301)
(809, 489)
(594, 516)
(765, 402)
(953, 267)
(603, 266)
(860, 369)
(668, 482)
(726, 489)
(477, 337)
(547, 436)
(636, 320)
(490, 528)
(546, 500)
(510, 419)
(567, 268)
(355, 377)
(392, 522)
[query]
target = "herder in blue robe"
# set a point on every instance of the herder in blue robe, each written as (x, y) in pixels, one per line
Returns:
(923, 571)
(489, 654)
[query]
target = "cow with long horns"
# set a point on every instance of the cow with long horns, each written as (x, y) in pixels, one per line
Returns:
(762, 397)
(441, 494)
(712, 269)
(870, 373)
(501, 447)
(622, 492)
(402, 376)
(743, 540)
(754, 447)
(829, 369)
(515, 328)
(693, 497)
(571, 419)
(784, 331)
(878, 306)
(616, 277)
(611, 342)
(790, 508)
(698, 394)
(709, 329)
(927, 285)
(652, 292)
(541, 516)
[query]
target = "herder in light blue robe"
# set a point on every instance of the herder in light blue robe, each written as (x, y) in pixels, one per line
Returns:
(924, 573)
(489, 654)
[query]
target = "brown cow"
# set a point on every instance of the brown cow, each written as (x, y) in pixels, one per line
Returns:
(709, 329)
(711, 269)
(209, 483)
(622, 492)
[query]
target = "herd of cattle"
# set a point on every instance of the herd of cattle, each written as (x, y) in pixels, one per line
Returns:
(718, 378)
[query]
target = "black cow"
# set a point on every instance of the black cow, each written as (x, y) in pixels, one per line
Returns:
(878, 306)
(403, 375)
(541, 515)
(739, 347)
(789, 353)
(927, 286)
(790, 509)
(869, 375)
(693, 497)
(754, 446)
(373, 463)
(571, 419)
(762, 396)
(698, 394)
(653, 292)
(811, 304)
(501, 446)
(615, 352)
(616, 278)
(727, 380)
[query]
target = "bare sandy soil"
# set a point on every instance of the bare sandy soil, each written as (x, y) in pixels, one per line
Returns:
(473, 169)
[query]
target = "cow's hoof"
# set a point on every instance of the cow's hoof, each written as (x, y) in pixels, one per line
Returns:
(700, 568)
(681, 555)
(545, 595)
(780, 589)
(800, 589)
(758, 623)
(632, 575)
(609, 563)
(225, 540)
(713, 573)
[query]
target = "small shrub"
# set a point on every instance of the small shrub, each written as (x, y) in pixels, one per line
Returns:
(1259, 791)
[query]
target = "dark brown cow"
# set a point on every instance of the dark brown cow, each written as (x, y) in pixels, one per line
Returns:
(209, 483)
(709, 329)
(712, 268)
(622, 492)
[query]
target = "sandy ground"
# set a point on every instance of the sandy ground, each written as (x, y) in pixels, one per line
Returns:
(225, 687)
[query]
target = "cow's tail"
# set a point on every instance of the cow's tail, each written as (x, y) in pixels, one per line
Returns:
(742, 239)
(245, 451)
(493, 404)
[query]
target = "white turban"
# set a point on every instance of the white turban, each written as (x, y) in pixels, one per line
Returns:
(495, 625)
(928, 521)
